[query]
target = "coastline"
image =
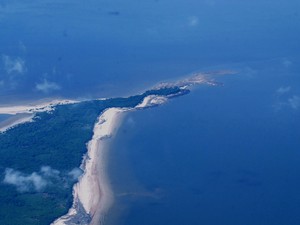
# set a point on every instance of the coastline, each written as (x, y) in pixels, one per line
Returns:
(16, 120)
(40, 107)
(92, 195)
(25, 113)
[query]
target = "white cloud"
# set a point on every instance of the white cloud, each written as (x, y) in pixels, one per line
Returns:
(24, 183)
(75, 173)
(294, 102)
(47, 171)
(287, 63)
(22, 46)
(283, 90)
(47, 86)
(249, 73)
(38, 181)
(13, 65)
(193, 21)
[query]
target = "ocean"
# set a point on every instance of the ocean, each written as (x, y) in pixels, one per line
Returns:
(221, 155)
(107, 48)
(4, 117)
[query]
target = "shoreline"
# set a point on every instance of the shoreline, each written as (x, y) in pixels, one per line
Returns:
(92, 194)
(40, 107)
(25, 113)
(16, 120)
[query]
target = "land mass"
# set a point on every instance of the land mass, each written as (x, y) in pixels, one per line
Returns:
(41, 155)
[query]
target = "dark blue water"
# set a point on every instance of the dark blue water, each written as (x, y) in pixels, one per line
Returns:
(221, 155)
(225, 155)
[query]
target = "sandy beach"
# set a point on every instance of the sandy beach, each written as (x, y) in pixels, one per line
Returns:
(15, 121)
(92, 194)
(25, 113)
(151, 100)
(93, 191)
(40, 107)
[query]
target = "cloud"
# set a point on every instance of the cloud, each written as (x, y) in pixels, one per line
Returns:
(24, 183)
(13, 65)
(193, 21)
(47, 86)
(283, 90)
(47, 171)
(75, 173)
(294, 102)
(22, 46)
(38, 181)
(287, 63)
(248, 72)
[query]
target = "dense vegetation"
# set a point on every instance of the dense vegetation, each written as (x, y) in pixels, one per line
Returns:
(57, 139)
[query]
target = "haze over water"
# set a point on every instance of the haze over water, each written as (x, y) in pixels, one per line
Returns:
(109, 48)
(221, 155)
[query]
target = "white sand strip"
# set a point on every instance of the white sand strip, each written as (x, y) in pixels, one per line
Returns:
(151, 100)
(42, 107)
(15, 121)
(93, 189)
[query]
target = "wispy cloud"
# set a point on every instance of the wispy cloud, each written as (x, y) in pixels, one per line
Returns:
(24, 183)
(287, 63)
(13, 65)
(283, 90)
(75, 173)
(47, 171)
(22, 47)
(193, 21)
(38, 181)
(294, 102)
(249, 72)
(47, 86)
